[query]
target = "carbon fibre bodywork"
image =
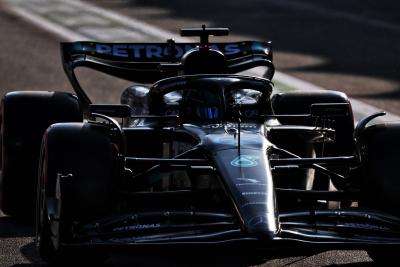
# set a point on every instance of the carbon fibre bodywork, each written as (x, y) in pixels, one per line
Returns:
(210, 159)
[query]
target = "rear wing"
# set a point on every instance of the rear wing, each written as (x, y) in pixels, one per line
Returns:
(141, 62)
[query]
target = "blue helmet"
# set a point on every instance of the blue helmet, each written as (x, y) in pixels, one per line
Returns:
(207, 112)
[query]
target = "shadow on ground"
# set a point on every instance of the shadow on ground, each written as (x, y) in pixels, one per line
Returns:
(10, 227)
(196, 259)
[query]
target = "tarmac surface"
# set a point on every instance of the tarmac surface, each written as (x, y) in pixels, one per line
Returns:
(348, 45)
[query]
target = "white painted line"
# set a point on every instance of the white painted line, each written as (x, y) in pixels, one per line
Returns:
(127, 21)
(49, 26)
(295, 82)
(108, 34)
(71, 21)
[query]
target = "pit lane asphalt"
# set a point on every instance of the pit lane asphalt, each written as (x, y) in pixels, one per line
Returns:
(29, 59)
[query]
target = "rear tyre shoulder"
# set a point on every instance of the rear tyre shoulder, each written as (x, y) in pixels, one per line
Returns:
(25, 115)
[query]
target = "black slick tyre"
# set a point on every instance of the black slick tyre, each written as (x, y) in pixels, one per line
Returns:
(25, 115)
(380, 146)
(299, 102)
(78, 181)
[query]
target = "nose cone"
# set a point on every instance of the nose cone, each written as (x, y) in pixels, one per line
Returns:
(249, 180)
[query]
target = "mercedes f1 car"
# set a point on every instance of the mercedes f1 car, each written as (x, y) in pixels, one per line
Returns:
(203, 157)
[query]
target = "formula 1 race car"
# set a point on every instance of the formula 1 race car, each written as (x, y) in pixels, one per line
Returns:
(202, 158)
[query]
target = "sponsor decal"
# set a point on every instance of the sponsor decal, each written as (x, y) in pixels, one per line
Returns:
(244, 161)
(154, 51)
(248, 180)
(254, 193)
(226, 140)
(178, 85)
(230, 125)
(247, 184)
(137, 227)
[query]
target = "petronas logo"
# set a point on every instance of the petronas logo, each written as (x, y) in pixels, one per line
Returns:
(244, 161)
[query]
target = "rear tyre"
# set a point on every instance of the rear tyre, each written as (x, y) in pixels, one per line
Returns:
(78, 181)
(298, 102)
(25, 115)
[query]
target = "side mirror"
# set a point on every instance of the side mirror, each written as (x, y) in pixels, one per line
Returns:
(116, 111)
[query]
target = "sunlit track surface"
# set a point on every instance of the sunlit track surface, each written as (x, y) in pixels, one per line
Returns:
(80, 20)
(16, 242)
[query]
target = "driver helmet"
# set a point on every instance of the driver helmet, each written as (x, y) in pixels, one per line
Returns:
(207, 112)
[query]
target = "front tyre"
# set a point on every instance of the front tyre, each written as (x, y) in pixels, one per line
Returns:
(299, 102)
(380, 183)
(78, 183)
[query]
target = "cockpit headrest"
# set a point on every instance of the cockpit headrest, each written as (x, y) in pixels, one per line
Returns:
(204, 60)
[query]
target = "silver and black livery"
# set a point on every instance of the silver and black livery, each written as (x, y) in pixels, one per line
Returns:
(204, 157)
